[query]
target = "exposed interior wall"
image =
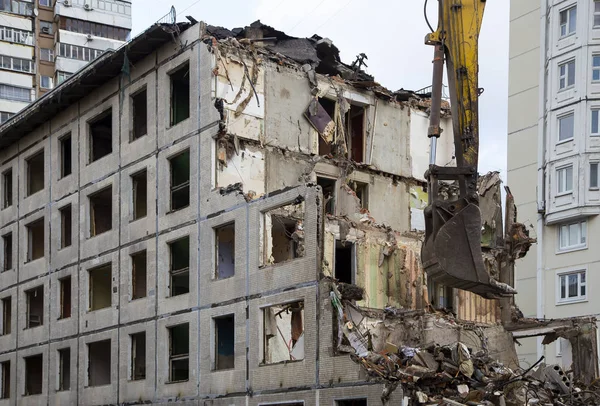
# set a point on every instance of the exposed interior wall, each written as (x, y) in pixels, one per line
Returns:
(283, 333)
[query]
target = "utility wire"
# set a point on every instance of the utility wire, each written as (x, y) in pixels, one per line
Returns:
(190, 6)
(307, 15)
(333, 15)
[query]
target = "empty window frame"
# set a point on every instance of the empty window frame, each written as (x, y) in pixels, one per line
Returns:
(138, 356)
(594, 184)
(34, 366)
(35, 239)
(139, 183)
(225, 251)
(283, 234)
(100, 136)
(351, 402)
(596, 13)
(101, 211)
(362, 193)
(179, 352)
(224, 328)
(345, 262)
(180, 180)
(6, 327)
(180, 94)
(568, 21)
(328, 187)
(572, 286)
(139, 116)
(100, 287)
(572, 236)
(35, 306)
(99, 363)
(179, 252)
(283, 335)
(440, 296)
(355, 124)
(7, 249)
(564, 180)
(65, 156)
(7, 188)
(64, 369)
(65, 297)
(35, 173)
(566, 75)
(324, 122)
(138, 275)
(66, 226)
(595, 130)
(5, 380)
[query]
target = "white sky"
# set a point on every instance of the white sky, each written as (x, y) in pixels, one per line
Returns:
(390, 32)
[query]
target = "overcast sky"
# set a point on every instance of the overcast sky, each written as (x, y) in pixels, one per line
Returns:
(390, 32)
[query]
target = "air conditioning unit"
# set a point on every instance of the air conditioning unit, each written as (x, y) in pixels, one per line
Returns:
(46, 30)
(67, 3)
(89, 37)
(87, 7)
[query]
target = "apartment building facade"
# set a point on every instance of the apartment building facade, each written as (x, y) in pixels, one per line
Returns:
(553, 158)
(170, 234)
(42, 42)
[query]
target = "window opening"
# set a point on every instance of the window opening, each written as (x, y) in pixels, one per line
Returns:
(224, 342)
(362, 192)
(595, 127)
(7, 186)
(5, 371)
(568, 21)
(572, 286)
(7, 245)
(100, 287)
(345, 262)
(180, 94)
(6, 316)
(34, 366)
(565, 179)
(138, 356)
(99, 355)
(65, 226)
(283, 233)
(140, 196)
(100, 138)
(324, 122)
(139, 106)
(283, 335)
(179, 352)
(572, 235)
(596, 13)
(65, 297)
(46, 82)
(355, 121)
(65, 156)
(566, 75)
(351, 402)
(35, 306)
(594, 175)
(225, 251)
(64, 369)
(138, 275)
(180, 180)
(328, 186)
(35, 240)
(101, 211)
(180, 266)
(35, 173)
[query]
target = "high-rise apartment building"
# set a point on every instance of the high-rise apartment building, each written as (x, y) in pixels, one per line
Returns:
(554, 158)
(42, 42)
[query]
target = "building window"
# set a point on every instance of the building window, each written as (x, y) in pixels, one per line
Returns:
(7, 262)
(596, 68)
(328, 187)
(101, 211)
(362, 192)
(65, 297)
(61, 77)
(100, 287)
(595, 131)
(100, 136)
(35, 173)
(225, 251)
(572, 236)
(34, 366)
(96, 29)
(35, 239)
(6, 327)
(45, 3)
(140, 186)
(564, 180)
(224, 342)
(179, 251)
(568, 21)
(64, 369)
(65, 226)
(345, 262)
(282, 233)
(78, 52)
(596, 13)
(16, 64)
(7, 188)
(138, 356)
(594, 175)
(139, 106)
(5, 380)
(179, 353)
(283, 335)
(35, 306)
(351, 402)
(46, 82)
(138, 275)
(46, 27)
(65, 155)
(15, 93)
(566, 75)
(4, 116)
(9, 34)
(99, 363)
(180, 94)
(47, 54)
(180, 180)
(572, 286)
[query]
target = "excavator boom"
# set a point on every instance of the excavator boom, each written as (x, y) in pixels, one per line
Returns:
(451, 252)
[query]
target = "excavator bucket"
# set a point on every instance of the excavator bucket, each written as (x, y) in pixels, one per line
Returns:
(452, 253)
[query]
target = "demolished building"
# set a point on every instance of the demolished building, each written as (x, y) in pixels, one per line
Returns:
(178, 218)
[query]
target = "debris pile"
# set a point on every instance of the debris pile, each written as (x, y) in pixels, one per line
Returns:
(453, 374)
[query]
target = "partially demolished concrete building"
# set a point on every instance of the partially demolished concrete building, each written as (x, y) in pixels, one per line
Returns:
(216, 217)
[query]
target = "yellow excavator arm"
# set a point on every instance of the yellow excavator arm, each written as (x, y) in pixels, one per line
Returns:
(451, 252)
